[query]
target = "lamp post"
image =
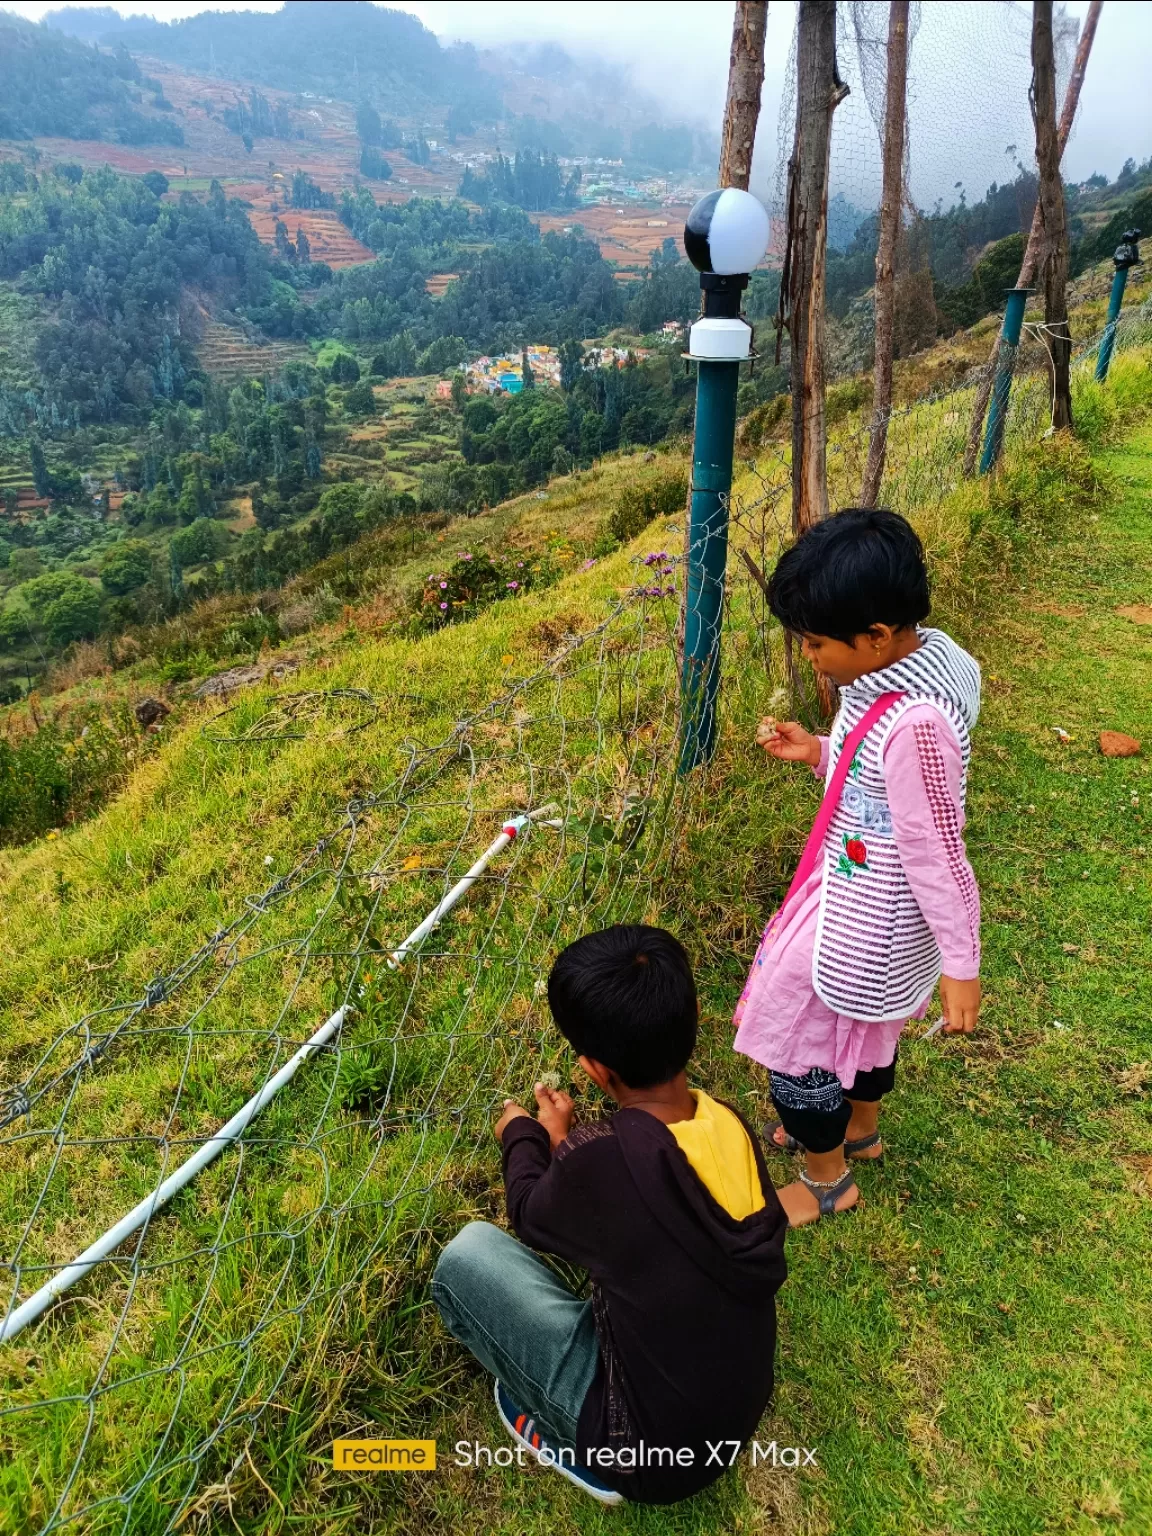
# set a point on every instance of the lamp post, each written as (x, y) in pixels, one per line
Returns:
(1127, 256)
(1002, 388)
(725, 237)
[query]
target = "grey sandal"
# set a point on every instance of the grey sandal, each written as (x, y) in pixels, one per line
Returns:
(861, 1144)
(827, 1194)
(790, 1146)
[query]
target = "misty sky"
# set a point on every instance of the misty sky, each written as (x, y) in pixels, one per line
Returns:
(962, 120)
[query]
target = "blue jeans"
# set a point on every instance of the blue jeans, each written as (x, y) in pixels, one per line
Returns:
(521, 1322)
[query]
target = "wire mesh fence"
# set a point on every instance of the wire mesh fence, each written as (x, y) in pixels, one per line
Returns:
(141, 1389)
(133, 1402)
(924, 464)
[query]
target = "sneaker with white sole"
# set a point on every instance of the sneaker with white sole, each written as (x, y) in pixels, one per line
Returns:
(522, 1427)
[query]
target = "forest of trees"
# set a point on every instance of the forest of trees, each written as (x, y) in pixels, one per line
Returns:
(513, 283)
(106, 264)
(272, 436)
(257, 118)
(309, 45)
(110, 260)
(530, 180)
(54, 85)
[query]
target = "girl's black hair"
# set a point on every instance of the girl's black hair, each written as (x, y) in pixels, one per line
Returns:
(863, 566)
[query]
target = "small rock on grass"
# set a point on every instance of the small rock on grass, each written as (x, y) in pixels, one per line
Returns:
(1116, 744)
(150, 712)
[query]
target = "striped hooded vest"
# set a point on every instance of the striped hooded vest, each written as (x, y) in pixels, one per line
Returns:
(875, 957)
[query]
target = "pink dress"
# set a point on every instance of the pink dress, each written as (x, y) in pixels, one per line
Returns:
(785, 1025)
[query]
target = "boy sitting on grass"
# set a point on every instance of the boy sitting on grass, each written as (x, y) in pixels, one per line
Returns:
(648, 1390)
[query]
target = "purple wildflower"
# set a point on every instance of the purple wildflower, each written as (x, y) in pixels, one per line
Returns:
(443, 607)
(513, 586)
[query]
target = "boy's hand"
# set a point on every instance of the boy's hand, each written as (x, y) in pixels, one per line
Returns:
(512, 1111)
(788, 741)
(555, 1112)
(960, 1004)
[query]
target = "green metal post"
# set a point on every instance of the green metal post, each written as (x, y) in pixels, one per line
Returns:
(1002, 387)
(1108, 340)
(715, 435)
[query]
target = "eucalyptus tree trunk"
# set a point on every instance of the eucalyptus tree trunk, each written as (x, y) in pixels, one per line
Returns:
(1052, 258)
(891, 214)
(819, 90)
(1028, 265)
(745, 81)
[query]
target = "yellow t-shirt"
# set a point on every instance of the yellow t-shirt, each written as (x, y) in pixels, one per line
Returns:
(721, 1155)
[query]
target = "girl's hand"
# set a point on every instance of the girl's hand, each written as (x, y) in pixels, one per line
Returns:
(788, 741)
(555, 1112)
(960, 1004)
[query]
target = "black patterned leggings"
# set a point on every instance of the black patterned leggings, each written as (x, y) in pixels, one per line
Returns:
(815, 1109)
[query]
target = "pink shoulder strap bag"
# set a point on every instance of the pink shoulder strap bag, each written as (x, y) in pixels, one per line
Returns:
(814, 847)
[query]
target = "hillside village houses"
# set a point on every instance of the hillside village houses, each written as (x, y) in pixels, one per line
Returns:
(496, 375)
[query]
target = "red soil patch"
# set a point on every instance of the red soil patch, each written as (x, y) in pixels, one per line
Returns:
(134, 162)
(328, 238)
(630, 237)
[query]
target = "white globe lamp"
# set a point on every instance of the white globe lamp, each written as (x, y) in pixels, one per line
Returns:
(725, 237)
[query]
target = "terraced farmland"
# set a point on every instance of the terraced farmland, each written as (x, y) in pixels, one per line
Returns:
(229, 354)
(330, 240)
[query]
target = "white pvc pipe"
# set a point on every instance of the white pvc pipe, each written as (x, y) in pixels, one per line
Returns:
(240, 1121)
(510, 831)
(186, 1172)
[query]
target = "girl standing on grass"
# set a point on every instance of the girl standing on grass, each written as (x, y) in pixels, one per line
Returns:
(884, 899)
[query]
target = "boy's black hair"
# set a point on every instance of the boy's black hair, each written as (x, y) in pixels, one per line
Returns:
(626, 997)
(863, 566)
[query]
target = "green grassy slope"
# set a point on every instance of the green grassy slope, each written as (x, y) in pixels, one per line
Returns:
(970, 1352)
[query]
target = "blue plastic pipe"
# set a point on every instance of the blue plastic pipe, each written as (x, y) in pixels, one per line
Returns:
(1108, 340)
(715, 435)
(1002, 388)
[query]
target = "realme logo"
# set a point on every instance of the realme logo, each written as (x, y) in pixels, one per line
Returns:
(384, 1455)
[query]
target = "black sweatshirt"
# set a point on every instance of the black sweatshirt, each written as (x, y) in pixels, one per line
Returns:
(683, 1296)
